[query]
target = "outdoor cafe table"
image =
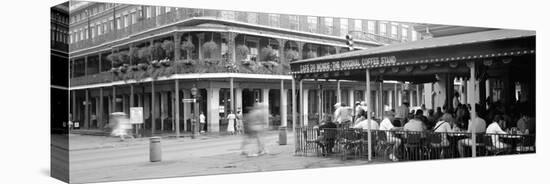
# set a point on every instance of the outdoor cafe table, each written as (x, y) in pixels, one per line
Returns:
(513, 140)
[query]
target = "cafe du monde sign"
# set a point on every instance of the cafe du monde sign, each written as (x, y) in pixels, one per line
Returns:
(368, 62)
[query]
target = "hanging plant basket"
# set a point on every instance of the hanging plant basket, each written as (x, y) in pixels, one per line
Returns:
(115, 70)
(209, 48)
(292, 55)
(134, 68)
(155, 63)
(242, 51)
(123, 68)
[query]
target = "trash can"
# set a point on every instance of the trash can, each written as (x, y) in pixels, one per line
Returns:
(282, 135)
(155, 151)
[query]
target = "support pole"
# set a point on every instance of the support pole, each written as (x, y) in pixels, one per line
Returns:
(369, 109)
(293, 102)
(153, 108)
(231, 95)
(283, 105)
(338, 92)
(177, 106)
(473, 114)
(302, 113)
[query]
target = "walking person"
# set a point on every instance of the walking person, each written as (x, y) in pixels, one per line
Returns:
(253, 126)
(231, 123)
(202, 122)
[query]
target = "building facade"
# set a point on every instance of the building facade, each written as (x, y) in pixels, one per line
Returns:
(126, 56)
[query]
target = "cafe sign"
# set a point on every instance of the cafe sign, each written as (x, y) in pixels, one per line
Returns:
(368, 62)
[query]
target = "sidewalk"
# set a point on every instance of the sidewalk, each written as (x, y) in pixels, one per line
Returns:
(90, 141)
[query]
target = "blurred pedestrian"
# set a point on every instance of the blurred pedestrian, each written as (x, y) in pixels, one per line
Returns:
(253, 126)
(121, 126)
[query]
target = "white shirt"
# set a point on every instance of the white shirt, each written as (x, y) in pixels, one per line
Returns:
(365, 125)
(386, 124)
(202, 119)
(231, 118)
(494, 128)
(443, 127)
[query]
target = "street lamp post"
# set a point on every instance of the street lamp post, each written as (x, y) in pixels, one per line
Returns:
(195, 124)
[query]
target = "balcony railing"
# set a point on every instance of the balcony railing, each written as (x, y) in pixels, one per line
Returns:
(137, 73)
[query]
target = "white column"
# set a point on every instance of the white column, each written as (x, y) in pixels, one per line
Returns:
(293, 103)
(305, 109)
(301, 103)
(390, 98)
(231, 95)
(369, 107)
(428, 95)
(265, 101)
(411, 98)
(351, 102)
(488, 88)
(163, 113)
(238, 99)
(418, 95)
(176, 103)
(338, 92)
(213, 105)
(283, 104)
(471, 95)
(396, 95)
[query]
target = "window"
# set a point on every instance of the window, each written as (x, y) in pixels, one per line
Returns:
(93, 31)
(382, 30)
(358, 26)
(404, 33)
(168, 9)
(328, 25)
(393, 31)
(252, 18)
(134, 19)
(413, 36)
(99, 27)
(228, 15)
(118, 23)
(157, 10)
(293, 22)
(371, 27)
(274, 20)
(312, 24)
(86, 36)
(125, 21)
(343, 27)
(148, 12)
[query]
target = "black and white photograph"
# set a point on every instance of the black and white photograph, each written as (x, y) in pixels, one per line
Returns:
(151, 91)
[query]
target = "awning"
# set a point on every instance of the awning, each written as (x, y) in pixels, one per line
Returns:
(450, 50)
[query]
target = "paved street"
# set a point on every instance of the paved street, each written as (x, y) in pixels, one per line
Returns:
(96, 158)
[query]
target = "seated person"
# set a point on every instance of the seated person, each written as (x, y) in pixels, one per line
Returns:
(327, 136)
(359, 117)
(415, 124)
(475, 125)
(365, 124)
(443, 126)
(493, 129)
(387, 125)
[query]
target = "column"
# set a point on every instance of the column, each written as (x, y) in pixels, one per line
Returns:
(410, 98)
(281, 50)
(177, 46)
(265, 101)
(369, 107)
(132, 95)
(293, 103)
(396, 96)
(338, 92)
(471, 96)
(390, 98)
(87, 109)
(231, 47)
(124, 102)
(186, 109)
(163, 113)
(213, 117)
(239, 99)
(377, 102)
(418, 95)
(114, 99)
(231, 95)
(201, 39)
(283, 104)
(488, 88)
(100, 112)
(428, 95)
(177, 106)
(73, 105)
(153, 107)
(302, 105)
(99, 64)
(305, 108)
(85, 65)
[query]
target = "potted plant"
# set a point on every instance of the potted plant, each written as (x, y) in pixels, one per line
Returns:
(188, 47)
(242, 51)
(157, 53)
(124, 57)
(209, 48)
(311, 54)
(168, 47)
(292, 55)
(113, 57)
(268, 54)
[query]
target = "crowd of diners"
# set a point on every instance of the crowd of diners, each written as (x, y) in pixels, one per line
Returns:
(492, 119)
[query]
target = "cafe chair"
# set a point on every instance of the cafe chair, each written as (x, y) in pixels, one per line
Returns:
(414, 149)
(436, 148)
(527, 144)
